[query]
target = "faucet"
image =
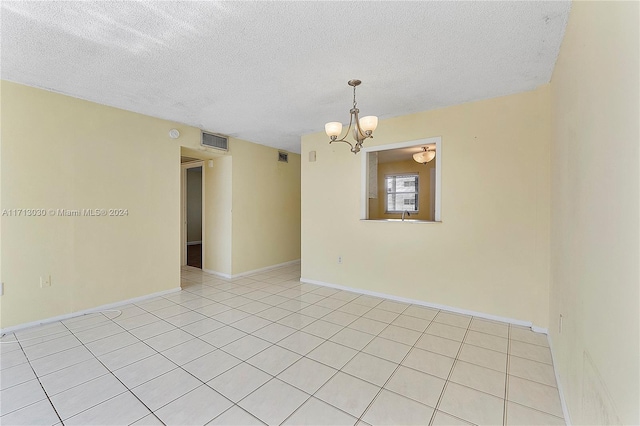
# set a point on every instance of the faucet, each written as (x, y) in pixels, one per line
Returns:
(408, 214)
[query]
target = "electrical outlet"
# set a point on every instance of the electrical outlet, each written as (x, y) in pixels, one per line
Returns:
(340, 259)
(45, 281)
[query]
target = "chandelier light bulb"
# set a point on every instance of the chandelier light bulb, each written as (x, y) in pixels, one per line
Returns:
(424, 156)
(333, 128)
(369, 123)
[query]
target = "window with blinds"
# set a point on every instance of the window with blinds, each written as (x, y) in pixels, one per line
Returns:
(402, 193)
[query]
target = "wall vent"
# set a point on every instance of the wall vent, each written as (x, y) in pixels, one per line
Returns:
(283, 156)
(211, 140)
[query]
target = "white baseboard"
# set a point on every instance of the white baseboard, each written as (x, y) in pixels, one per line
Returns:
(563, 402)
(219, 274)
(193, 243)
(254, 271)
(266, 268)
(423, 303)
(87, 311)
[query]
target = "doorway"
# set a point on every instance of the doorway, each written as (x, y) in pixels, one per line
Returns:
(192, 212)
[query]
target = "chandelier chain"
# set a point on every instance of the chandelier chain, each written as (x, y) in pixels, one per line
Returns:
(354, 97)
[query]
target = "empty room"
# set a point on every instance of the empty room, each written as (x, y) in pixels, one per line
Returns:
(319, 213)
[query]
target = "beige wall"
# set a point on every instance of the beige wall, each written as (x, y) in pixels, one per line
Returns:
(377, 206)
(217, 226)
(595, 214)
(63, 153)
(266, 207)
(252, 202)
(490, 253)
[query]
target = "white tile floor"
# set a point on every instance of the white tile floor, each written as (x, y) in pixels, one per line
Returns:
(267, 349)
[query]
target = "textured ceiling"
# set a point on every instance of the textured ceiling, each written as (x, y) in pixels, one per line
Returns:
(270, 72)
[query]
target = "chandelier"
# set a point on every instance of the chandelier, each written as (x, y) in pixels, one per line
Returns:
(362, 127)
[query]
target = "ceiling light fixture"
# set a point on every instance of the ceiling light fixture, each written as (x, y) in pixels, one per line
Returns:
(363, 127)
(425, 155)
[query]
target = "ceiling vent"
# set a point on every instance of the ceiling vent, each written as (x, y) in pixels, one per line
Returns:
(211, 140)
(283, 156)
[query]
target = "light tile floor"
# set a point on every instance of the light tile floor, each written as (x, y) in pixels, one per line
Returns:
(267, 349)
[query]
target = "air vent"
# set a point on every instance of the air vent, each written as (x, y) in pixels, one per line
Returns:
(283, 156)
(215, 141)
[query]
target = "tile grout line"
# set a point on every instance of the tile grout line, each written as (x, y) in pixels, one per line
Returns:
(506, 379)
(272, 377)
(311, 359)
(72, 365)
(325, 340)
(127, 387)
(360, 418)
(446, 383)
(313, 396)
(118, 379)
(177, 367)
(538, 410)
(155, 377)
(235, 405)
(39, 382)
